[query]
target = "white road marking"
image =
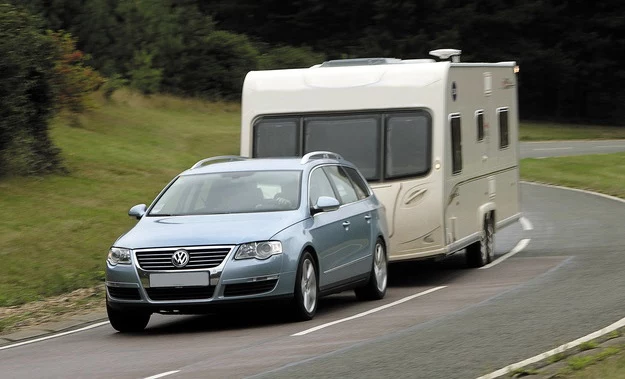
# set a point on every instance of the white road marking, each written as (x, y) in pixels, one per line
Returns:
(609, 146)
(517, 249)
(552, 148)
(559, 349)
(403, 300)
(163, 374)
(526, 224)
(55, 335)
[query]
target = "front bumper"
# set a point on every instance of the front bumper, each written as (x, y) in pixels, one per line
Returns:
(231, 282)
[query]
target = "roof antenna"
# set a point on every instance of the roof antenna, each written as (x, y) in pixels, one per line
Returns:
(446, 54)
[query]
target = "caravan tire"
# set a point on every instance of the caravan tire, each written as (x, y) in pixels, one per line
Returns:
(482, 252)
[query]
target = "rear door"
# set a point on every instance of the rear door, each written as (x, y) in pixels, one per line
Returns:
(353, 258)
(327, 231)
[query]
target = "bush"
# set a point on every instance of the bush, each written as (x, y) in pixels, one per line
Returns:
(289, 57)
(112, 84)
(74, 80)
(216, 67)
(143, 76)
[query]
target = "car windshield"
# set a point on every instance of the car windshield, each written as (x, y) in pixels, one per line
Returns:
(230, 192)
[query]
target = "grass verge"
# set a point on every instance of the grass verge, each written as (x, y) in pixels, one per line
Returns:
(603, 173)
(545, 132)
(59, 228)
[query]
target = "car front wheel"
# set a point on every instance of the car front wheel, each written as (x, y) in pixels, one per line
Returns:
(127, 321)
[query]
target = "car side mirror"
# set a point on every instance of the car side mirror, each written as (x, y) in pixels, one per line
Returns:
(137, 211)
(325, 204)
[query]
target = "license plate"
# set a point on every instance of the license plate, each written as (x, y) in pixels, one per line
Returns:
(179, 279)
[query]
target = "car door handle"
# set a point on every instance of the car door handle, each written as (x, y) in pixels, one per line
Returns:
(346, 224)
(368, 217)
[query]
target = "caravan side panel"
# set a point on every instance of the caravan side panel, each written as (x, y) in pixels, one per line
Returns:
(482, 100)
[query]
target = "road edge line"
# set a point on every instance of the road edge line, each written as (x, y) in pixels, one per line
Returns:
(522, 244)
(56, 335)
(526, 224)
(560, 349)
(162, 374)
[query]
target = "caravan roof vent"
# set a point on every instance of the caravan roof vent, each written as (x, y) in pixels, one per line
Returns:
(446, 53)
(418, 61)
(359, 62)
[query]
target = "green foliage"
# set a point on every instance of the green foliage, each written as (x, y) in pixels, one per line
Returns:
(73, 80)
(588, 345)
(27, 71)
(143, 76)
(112, 84)
(289, 57)
(219, 66)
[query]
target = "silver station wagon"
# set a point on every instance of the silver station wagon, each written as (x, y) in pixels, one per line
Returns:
(232, 230)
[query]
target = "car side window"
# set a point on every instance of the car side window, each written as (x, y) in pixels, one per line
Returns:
(342, 183)
(362, 190)
(319, 186)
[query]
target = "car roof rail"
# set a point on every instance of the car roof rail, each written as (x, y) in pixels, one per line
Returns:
(227, 158)
(320, 155)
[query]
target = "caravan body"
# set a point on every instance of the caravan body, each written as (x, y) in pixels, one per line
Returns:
(437, 141)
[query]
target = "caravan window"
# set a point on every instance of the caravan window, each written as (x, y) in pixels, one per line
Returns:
(456, 143)
(383, 144)
(407, 145)
(504, 138)
(276, 137)
(479, 120)
(355, 138)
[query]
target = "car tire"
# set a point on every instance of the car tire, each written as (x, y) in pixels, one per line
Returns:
(482, 252)
(306, 291)
(375, 289)
(127, 321)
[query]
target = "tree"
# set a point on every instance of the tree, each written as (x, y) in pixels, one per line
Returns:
(73, 80)
(26, 95)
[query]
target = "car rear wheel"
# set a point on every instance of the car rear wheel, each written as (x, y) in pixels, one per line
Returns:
(375, 289)
(127, 321)
(306, 291)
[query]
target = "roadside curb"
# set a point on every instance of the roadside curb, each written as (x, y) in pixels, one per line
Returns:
(566, 362)
(51, 328)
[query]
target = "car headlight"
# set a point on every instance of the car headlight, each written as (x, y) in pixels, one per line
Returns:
(258, 250)
(119, 256)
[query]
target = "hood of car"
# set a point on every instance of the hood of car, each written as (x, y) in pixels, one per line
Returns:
(222, 229)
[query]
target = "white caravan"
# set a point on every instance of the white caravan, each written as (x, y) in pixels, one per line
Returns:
(437, 141)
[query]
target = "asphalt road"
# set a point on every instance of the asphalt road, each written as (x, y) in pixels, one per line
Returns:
(439, 320)
(559, 148)
(565, 284)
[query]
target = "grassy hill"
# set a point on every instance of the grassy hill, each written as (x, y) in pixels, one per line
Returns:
(56, 230)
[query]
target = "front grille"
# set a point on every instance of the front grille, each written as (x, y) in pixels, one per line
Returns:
(199, 258)
(124, 293)
(252, 288)
(180, 293)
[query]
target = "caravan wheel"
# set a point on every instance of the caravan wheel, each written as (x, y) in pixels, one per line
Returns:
(483, 252)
